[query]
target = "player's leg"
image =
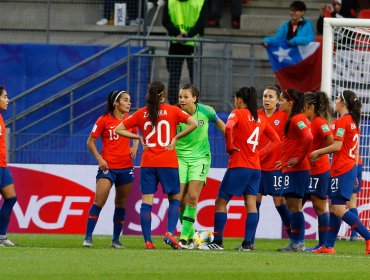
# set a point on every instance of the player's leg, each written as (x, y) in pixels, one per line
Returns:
(294, 189)
(123, 184)
(252, 178)
(169, 178)
(103, 186)
(148, 187)
(8, 193)
(197, 175)
(190, 213)
(283, 210)
(352, 206)
(184, 185)
(250, 223)
(297, 222)
(320, 206)
(183, 192)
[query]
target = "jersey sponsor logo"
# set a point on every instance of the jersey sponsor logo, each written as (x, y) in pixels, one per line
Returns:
(301, 125)
(325, 128)
(231, 115)
(340, 132)
(200, 122)
(276, 122)
(94, 128)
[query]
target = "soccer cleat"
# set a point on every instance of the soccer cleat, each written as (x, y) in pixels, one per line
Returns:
(367, 243)
(149, 245)
(117, 244)
(87, 243)
(183, 244)
(191, 245)
(288, 248)
(327, 251)
(246, 246)
(299, 247)
(310, 250)
(169, 239)
(211, 246)
(6, 242)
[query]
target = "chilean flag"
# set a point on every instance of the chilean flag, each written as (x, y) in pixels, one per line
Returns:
(297, 67)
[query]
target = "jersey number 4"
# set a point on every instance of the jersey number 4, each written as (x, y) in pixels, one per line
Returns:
(253, 138)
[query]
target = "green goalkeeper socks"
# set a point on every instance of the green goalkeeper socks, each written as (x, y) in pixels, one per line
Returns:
(188, 220)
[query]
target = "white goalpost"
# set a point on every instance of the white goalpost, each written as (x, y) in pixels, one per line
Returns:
(346, 65)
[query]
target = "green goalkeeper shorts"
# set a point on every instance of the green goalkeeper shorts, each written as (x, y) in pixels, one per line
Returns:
(195, 170)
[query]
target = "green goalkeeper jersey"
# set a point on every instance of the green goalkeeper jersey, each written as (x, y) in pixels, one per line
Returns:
(196, 144)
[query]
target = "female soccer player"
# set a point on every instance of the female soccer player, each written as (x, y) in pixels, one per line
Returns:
(317, 110)
(115, 165)
(294, 163)
(242, 132)
(343, 170)
(271, 177)
(157, 121)
(7, 189)
(194, 155)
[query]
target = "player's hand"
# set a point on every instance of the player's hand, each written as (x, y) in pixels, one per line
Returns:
(291, 162)
(172, 145)
(314, 156)
(103, 165)
(278, 164)
(230, 150)
(133, 152)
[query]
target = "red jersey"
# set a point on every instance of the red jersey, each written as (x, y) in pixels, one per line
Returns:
(347, 132)
(2, 143)
(319, 129)
(244, 133)
(277, 121)
(296, 144)
(115, 148)
(160, 136)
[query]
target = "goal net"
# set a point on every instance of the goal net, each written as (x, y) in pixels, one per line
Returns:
(346, 65)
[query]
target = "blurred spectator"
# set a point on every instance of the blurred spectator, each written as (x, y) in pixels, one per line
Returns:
(337, 9)
(182, 19)
(217, 7)
(328, 10)
(132, 15)
(297, 31)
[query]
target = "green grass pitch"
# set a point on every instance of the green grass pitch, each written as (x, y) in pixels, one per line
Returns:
(41, 256)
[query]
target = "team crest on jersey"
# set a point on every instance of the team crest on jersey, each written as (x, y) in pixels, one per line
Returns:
(276, 122)
(325, 128)
(200, 122)
(340, 132)
(301, 125)
(231, 115)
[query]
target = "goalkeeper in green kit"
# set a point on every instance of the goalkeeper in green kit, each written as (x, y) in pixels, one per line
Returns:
(194, 156)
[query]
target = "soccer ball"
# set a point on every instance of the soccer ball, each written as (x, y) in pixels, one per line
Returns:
(203, 237)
